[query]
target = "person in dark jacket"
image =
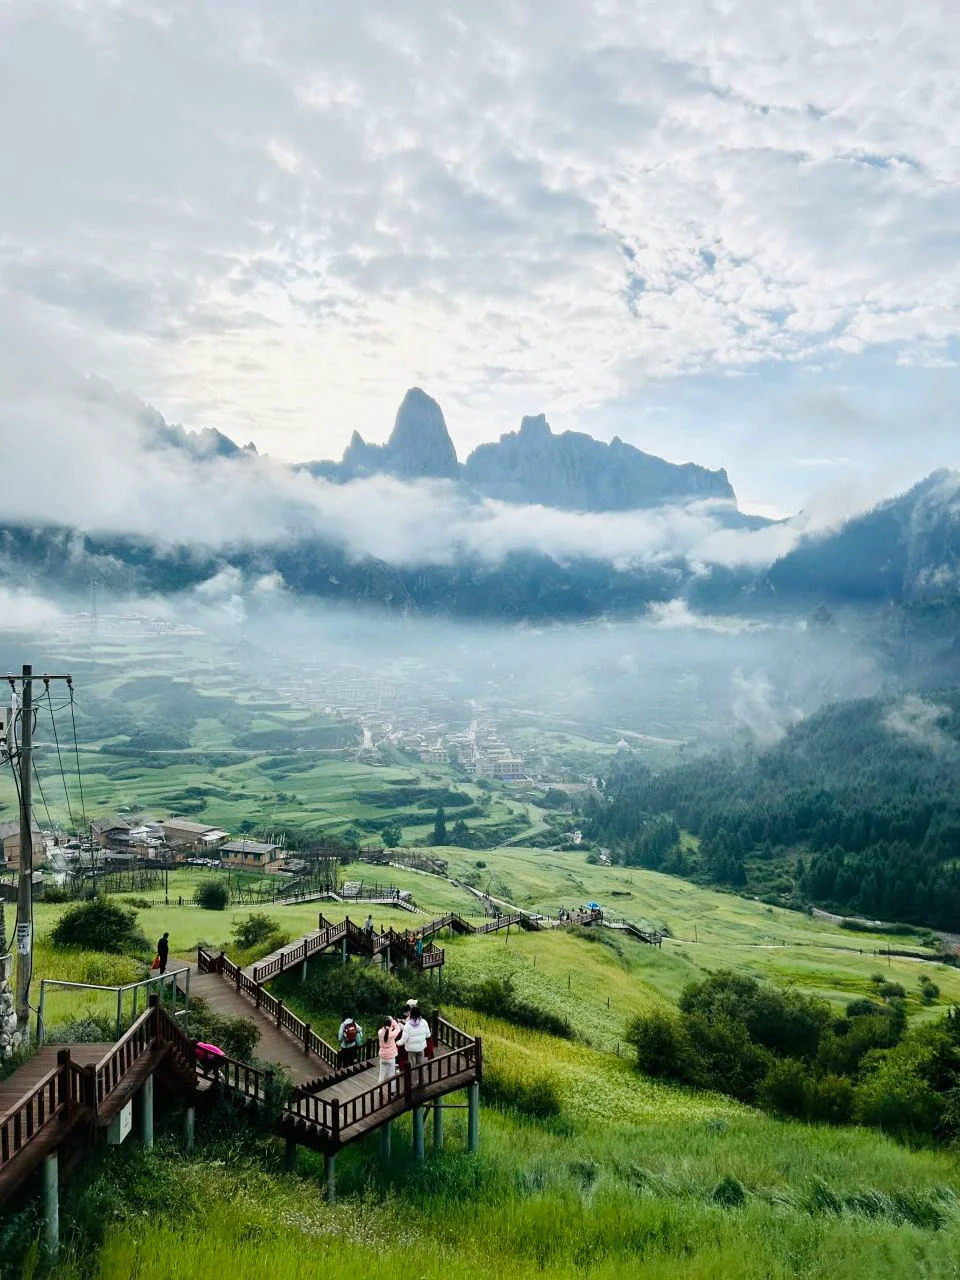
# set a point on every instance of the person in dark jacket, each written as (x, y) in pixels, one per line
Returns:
(163, 951)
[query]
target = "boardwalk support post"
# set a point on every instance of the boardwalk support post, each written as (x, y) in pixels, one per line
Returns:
(189, 1122)
(418, 1133)
(146, 1113)
(330, 1177)
(473, 1117)
(343, 949)
(303, 970)
(385, 1140)
(290, 1154)
(437, 1126)
(51, 1206)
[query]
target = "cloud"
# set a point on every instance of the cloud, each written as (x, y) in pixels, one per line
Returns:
(759, 707)
(921, 722)
(551, 206)
(23, 611)
(100, 461)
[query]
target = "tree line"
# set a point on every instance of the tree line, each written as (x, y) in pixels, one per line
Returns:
(855, 809)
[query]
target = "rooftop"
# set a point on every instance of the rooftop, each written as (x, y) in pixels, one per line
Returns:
(248, 846)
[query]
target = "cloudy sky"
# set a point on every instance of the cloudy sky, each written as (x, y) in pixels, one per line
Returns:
(726, 231)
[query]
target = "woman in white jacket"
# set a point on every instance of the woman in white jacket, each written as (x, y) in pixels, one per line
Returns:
(414, 1036)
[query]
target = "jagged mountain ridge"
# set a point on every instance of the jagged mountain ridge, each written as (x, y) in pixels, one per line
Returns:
(571, 471)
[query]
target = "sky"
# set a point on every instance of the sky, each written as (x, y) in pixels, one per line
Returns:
(724, 230)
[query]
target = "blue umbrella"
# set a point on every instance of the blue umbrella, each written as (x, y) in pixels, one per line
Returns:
(594, 906)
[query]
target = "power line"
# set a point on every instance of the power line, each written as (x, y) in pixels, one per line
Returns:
(63, 776)
(76, 752)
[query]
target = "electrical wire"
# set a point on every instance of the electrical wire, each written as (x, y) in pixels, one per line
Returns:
(76, 752)
(63, 776)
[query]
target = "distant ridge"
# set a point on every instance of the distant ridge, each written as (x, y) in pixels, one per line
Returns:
(571, 471)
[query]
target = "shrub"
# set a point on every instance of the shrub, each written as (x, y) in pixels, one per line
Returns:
(212, 895)
(256, 928)
(100, 925)
(663, 1045)
(786, 1088)
(892, 990)
(56, 893)
(832, 1100)
(730, 1192)
(237, 1037)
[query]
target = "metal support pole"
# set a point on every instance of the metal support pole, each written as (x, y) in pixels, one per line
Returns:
(343, 949)
(330, 1177)
(385, 1140)
(119, 1012)
(473, 1117)
(136, 1002)
(41, 1027)
(186, 993)
(146, 1113)
(189, 1122)
(51, 1206)
(418, 1133)
(290, 1155)
(25, 881)
(303, 970)
(437, 1126)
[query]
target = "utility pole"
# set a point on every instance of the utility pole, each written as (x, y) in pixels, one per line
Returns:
(25, 884)
(22, 761)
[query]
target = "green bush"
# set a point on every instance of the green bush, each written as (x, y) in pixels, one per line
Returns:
(892, 989)
(786, 1088)
(832, 1100)
(237, 1037)
(256, 928)
(212, 895)
(100, 925)
(663, 1045)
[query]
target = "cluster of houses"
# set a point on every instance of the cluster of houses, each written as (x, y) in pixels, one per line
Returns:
(187, 842)
(176, 839)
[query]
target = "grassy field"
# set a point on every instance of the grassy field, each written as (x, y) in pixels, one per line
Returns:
(632, 1178)
(572, 977)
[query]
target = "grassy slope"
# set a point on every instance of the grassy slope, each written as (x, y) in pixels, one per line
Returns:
(622, 1182)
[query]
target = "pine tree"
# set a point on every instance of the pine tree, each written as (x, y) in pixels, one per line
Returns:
(440, 827)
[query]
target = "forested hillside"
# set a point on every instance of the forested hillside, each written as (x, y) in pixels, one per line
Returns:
(856, 808)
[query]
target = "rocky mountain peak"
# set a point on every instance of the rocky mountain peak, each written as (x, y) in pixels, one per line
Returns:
(420, 443)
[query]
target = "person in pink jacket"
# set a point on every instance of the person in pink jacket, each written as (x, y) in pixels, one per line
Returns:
(387, 1038)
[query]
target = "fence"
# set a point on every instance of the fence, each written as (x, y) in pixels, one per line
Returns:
(156, 985)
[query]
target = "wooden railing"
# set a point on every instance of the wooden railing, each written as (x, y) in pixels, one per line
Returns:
(274, 1008)
(109, 1072)
(335, 1116)
(329, 935)
(63, 1085)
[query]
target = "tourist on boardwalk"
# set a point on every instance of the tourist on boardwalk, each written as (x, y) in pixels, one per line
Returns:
(349, 1039)
(387, 1037)
(419, 949)
(414, 1037)
(163, 951)
(368, 927)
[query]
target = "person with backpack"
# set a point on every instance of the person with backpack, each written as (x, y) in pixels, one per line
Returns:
(349, 1040)
(387, 1039)
(414, 1036)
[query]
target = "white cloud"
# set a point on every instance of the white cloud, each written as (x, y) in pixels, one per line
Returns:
(921, 722)
(276, 218)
